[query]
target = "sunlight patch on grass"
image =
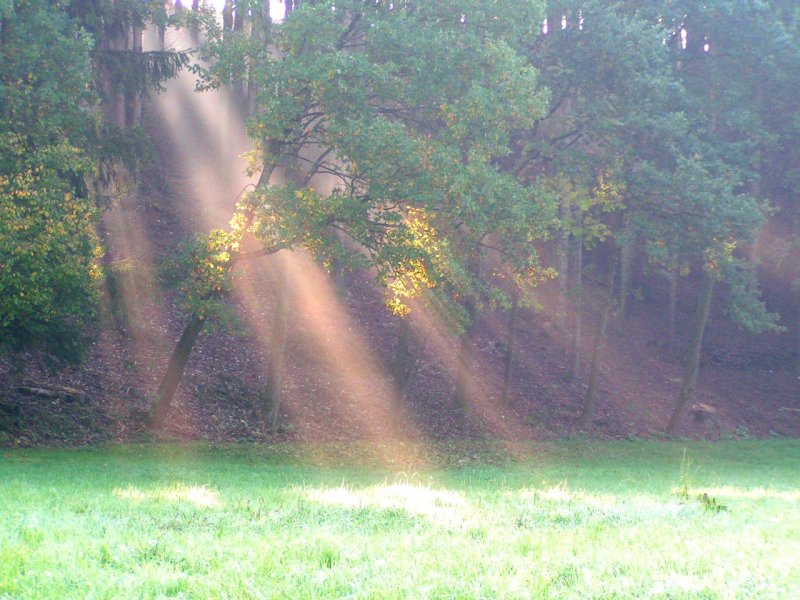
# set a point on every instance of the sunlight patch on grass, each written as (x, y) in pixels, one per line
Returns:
(199, 496)
(756, 493)
(561, 493)
(445, 507)
(679, 583)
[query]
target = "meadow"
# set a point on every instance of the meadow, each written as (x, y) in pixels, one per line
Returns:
(574, 519)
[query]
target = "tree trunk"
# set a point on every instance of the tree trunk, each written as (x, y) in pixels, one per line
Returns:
(672, 278)
(195, 32)
(238, 77)
(508, 359)
(277, 353)
(625, 268)
(563, 265)
(115, 97)
(589, 401)
(405, 360)
(693, 359)
(262, 23)
(227, 17)
(135, 100)
(175, 368)
(238, 19)
(465, 355)
(575, 363)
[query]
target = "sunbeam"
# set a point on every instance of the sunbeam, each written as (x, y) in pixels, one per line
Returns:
(209, 137)
(208, 132)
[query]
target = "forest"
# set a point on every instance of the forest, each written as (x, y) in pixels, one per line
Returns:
(427, 250)
(530, 191)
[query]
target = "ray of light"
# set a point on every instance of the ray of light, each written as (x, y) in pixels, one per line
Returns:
(482, 389)
(364, 390)
(209, 135)
(135, 300)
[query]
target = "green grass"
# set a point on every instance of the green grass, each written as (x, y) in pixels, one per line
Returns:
(572, 520)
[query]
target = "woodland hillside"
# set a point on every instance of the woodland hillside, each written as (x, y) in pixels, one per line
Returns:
(398, 221)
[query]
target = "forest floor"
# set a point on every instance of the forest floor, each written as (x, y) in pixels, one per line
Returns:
(341, 343)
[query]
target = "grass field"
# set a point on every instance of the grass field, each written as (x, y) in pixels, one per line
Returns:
(571, 520)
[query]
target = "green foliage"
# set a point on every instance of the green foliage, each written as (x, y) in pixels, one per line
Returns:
(711, 504)
(47, 248)
(202, 270)
(47, 241)
(138, 72)
(744, 306)
(681, 134)
(45, 75)
(52, 150)
(744, 88)
(409, 111)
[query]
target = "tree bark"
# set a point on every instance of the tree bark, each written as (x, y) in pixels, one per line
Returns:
(227, 17)
(405, 361)
(672, 278)
(508, 359)
(115, 97)
(260, 31)
(625, 268)
(175, 369)
(195, 32)
(693, 359)
(575, 363)
(239, 78)
(465, 355)
(135, 100)
(277, 354)
(589, 402)
(563, 265)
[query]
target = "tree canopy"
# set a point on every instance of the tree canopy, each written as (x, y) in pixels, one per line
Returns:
(409, 110)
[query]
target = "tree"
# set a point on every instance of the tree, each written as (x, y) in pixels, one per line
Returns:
(409, 109)
(728, 56)
(47, 244)
(58, 67)
(656, 125)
